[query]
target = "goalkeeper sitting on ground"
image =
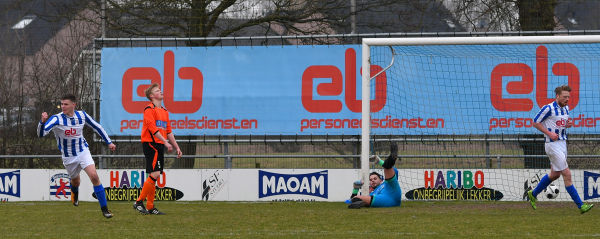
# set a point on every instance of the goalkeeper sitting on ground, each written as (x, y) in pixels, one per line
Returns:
(383, 193)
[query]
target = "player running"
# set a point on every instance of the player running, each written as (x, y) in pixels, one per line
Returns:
(68, 131)
(156, 127)
(552, 120)
(384, 190)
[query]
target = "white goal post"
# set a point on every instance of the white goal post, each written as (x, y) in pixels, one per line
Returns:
(367, 43)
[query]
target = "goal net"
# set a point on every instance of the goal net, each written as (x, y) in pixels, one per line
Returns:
(461, 110)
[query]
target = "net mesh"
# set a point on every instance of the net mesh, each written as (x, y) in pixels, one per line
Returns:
(462, 113)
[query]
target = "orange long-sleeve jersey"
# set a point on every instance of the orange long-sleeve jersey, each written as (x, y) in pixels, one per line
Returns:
(156, 119)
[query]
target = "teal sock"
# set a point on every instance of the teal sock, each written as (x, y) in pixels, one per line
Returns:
(101, 195)
(380, 162)
(574, 195)
(544, 182)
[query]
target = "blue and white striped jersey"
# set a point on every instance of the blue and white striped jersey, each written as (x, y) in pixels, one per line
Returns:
(69, 132)
(554, 118)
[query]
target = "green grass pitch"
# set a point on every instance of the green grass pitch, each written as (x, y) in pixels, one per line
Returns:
(299, 220)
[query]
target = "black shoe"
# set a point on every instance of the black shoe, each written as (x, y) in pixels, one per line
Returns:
(155, 211)
(357, 204)
(106, 213)
(393, 151)
(75, 198)
(391, 160)
(139, 206)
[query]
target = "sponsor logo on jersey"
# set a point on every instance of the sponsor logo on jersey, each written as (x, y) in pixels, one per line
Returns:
(161, 124)
(71, 132)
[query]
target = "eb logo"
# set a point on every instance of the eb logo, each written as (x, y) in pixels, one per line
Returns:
(525, 86)
(71, 132)
(563, 122)
(149, 73)
(337, 85)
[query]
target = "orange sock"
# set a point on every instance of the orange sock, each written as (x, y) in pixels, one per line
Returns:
(151, 192)
(148, 185)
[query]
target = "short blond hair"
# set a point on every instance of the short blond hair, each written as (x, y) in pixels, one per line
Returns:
(562, 88)
(148, 90)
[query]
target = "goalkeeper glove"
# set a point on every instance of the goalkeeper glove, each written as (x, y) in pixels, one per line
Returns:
(376, 159)
(357, 184)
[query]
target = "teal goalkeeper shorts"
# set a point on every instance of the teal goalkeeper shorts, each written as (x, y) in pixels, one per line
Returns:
(390, 196)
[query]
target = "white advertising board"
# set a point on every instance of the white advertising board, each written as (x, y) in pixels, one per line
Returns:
(333, 185)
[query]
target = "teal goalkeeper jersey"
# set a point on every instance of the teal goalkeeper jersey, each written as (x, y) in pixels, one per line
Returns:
(384, 188)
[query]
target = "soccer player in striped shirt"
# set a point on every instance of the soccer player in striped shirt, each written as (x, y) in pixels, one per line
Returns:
(553, 121)
(68, 131)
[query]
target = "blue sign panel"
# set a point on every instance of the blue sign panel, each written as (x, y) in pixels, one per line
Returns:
(289, 90)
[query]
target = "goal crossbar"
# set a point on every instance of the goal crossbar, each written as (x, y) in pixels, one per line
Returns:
(479, 40)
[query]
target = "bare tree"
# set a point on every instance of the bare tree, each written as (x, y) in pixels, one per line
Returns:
(36, 80)
(502, 15)
(35, 75)
(205, 18)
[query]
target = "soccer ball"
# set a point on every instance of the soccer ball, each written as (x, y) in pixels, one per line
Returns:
(552, 191)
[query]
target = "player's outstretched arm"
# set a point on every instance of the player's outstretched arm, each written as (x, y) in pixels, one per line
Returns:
(376, 159)
(46, 124)
(89, 121)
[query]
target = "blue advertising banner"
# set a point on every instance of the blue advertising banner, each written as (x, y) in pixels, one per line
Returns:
(316, 89)
(10, 184)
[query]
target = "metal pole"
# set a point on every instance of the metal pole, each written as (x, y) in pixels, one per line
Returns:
(499, 161)
(228, 163)
(103, 19)
(353, 16)
(94, 85)
(366, 118)
(487, 152)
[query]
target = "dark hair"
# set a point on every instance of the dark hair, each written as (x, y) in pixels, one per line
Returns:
(378, 175)
(562, 88)
(70, 97)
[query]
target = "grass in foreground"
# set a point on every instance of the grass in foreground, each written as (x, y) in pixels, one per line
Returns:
(298, 220)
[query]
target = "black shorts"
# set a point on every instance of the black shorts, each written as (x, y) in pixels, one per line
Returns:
(154, 156)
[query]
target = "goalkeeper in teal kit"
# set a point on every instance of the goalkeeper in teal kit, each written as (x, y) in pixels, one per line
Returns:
(385, 189)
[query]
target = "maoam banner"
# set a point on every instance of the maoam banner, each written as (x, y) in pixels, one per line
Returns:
(306, 90)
